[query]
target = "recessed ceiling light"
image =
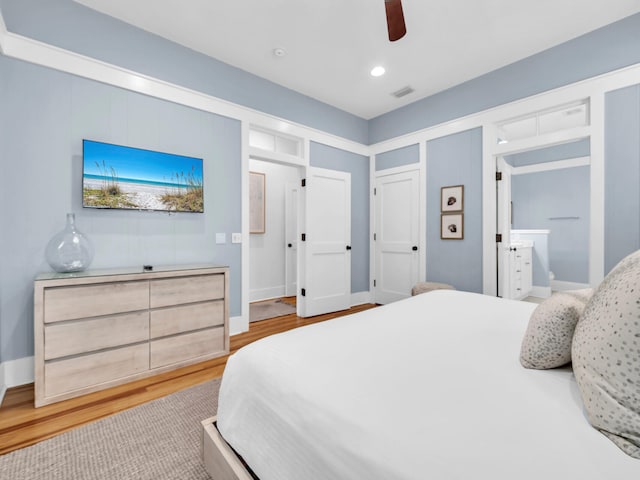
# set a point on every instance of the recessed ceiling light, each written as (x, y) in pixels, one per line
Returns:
(279, 52)
(377, 71)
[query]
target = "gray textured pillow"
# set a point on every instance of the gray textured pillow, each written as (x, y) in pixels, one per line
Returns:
(606, 356)
(547, 341)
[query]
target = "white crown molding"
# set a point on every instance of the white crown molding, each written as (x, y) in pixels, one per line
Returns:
(33, 51)
(580, 90)
(43, 54)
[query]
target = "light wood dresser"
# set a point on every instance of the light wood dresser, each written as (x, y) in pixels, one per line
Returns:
(97, 329)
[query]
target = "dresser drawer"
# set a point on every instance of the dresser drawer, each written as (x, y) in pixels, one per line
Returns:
(69, 303)
(166, 351)
(175, 291)
(64, 376)
(173, 320)
(82, 336)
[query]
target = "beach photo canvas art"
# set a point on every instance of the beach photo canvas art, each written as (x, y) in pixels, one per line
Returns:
(116, 176)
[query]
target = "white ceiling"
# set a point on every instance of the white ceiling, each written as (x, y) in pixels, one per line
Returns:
(332, 45)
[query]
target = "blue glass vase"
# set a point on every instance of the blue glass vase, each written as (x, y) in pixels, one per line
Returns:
(69, 250)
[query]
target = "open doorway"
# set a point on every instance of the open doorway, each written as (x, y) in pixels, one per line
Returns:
(273, 247)
(548, 244)
(544, 198)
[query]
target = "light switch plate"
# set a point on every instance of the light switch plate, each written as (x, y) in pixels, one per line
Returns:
(236, 238)
(221, 238)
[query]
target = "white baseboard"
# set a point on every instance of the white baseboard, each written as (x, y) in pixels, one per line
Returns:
(540, 292)
(360, 298)
(238, 325)
(3, 385)
(561, 286)
(266, 293)
(18, 372)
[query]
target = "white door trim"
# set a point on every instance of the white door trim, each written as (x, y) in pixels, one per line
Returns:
(595, 133)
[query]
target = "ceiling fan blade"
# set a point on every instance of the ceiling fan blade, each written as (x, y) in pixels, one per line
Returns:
(395, 20)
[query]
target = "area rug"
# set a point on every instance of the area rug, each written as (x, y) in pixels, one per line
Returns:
(157, 440)
(269, 309)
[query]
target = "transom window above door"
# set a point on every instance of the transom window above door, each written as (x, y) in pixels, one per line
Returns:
(575, 114)
(275, 142)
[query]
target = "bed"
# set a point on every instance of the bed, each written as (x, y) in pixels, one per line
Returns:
(428, 387)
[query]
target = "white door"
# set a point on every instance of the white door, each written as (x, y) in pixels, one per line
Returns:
(397, 235)
(503, 191)
(327, 242)
(291, 238)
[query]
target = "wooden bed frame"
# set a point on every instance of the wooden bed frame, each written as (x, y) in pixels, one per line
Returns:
(220, 460)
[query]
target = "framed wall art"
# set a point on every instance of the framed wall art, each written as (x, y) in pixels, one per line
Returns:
(452, 198)
(452, 226)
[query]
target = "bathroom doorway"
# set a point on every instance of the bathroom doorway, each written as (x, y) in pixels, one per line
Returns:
(549, 212)
(544, 200)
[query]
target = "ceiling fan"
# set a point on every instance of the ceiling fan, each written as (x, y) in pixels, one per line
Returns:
(395, 19)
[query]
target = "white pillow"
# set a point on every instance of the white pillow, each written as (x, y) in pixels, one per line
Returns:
(547, 341)
(606, 356)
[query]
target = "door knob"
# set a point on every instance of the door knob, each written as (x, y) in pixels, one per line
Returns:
(348, 247)
(414, 248)
(289, 245)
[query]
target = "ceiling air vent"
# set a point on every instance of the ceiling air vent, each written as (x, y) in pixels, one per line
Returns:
(403, 91)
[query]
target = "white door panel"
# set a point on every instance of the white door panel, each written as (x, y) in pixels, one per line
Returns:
(397, 235)
(327, 242)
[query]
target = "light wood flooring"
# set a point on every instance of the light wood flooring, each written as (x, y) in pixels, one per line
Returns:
(22, 425)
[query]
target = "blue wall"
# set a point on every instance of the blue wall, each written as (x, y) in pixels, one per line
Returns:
(455, 160)
(323, 156)
(398, 158)
(74, 27)
(622, 174)
(609, 48)
(45, 115)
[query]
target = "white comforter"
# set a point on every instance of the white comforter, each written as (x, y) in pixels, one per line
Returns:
(426, 388)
